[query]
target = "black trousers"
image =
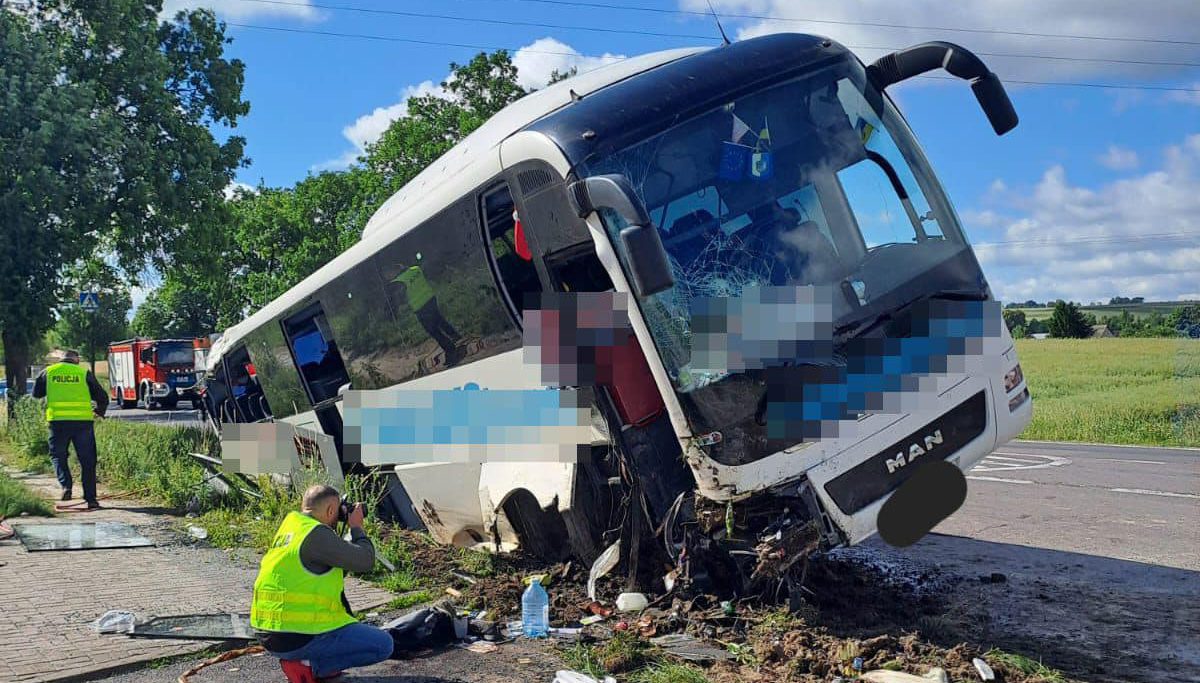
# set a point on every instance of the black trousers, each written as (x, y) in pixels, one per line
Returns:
(78, 432)
(440, 329)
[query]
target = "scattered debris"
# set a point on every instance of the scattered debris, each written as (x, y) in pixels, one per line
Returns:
(186, 676)
(886, 676)
(115, 621)
(576, 677)
(690, 648)
(453, 592)
(594, 607)
(632, 602)
(79, 536)
(197, 532)
(985, 671)
(482, 647)
(197, 627)
(937, 674)
(603, 565)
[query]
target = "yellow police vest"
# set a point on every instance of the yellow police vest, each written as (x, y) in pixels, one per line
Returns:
(288, 597)
(67, 395)
(416, 288)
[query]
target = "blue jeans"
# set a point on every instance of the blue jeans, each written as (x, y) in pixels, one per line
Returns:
(80, 433)
(338, 650)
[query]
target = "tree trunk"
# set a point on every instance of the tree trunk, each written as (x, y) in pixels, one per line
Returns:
(16, 365)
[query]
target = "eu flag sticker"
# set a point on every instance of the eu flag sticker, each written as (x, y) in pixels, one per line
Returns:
(761, 166)
(734, 159)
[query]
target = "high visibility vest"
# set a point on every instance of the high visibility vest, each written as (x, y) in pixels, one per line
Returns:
(290, 598)
(67, 395)
(416, 287)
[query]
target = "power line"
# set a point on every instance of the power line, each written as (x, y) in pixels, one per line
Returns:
(730, 15)
(1107, 239)
(473, 46)
(661, 34)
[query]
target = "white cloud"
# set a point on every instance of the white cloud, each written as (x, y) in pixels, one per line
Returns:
(1119, 158)
(536, 61)
(1097, 18)
(1133, 237)
(1187, 97)
(242, 9)
(232, 188)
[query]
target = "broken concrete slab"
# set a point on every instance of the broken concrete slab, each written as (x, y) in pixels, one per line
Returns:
(37, 537)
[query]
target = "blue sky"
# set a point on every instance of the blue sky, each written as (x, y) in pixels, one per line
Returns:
(1075, 195)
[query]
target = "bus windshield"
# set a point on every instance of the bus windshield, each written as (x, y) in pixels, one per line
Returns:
(815, 181)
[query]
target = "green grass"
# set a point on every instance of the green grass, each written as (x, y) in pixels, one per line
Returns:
(15, 499)
(1025, 665)
(666, 672)
(1124, 391)
(630, 657)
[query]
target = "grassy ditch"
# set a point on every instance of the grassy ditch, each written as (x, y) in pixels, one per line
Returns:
(16, 499)
(1121, 391)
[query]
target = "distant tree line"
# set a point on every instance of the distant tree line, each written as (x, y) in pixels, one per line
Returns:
(1069, 321)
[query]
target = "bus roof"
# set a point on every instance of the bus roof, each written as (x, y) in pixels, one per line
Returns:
(417, 200)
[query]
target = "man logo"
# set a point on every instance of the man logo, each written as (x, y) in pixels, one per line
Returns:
(914, 451)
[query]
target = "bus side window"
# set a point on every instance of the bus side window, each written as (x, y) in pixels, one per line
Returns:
(316, 354)
(508, 249)
(578, 269)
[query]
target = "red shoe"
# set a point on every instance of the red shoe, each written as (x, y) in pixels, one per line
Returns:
(297, 671)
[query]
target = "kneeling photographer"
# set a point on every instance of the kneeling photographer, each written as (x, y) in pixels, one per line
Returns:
(299, 611)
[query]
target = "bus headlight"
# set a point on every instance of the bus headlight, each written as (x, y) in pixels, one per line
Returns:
(1013, 378)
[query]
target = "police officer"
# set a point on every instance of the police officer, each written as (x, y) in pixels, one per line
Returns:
(299, 612)
(69, 391)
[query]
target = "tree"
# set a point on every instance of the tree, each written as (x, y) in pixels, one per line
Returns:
(1014, 319)
(1186, 321)
(104, 144)
(556, 75)
(90, 332)
(176, 309)
(1068, 322)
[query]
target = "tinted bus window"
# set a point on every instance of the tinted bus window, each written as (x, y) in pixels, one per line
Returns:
(316, 353)
(274, 371)
(363, 325)
(443, 296)
(514, 263)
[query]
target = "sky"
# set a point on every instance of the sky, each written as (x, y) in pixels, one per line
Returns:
(1095, 194)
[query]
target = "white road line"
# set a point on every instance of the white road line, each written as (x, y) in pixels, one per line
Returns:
(1144, 462)
(1148, 492)
(1023, 462)
(1006, 481)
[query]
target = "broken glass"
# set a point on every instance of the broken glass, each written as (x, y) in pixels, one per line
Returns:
(80, 536)
(197, 627)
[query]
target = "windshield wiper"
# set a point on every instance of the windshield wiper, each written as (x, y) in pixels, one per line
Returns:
(864, 325)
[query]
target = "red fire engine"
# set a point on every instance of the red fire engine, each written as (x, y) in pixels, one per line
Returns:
(156, 373)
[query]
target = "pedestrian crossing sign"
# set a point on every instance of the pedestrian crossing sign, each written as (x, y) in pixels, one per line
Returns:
(89, 301)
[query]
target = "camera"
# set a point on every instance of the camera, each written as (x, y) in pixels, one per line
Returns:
(345, 507)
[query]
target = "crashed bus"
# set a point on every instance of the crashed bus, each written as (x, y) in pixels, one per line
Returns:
(668, 178)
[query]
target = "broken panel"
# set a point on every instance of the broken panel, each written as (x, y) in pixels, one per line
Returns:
(197, 627)
(81, 536)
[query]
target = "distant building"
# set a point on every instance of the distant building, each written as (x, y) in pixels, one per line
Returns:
(1101, 331)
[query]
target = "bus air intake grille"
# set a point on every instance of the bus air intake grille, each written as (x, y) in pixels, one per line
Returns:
(532, 181)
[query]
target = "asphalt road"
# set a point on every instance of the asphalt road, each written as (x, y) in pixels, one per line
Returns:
(1128, 503)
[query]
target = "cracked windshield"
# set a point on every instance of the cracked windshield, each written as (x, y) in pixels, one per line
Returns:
(804, 183)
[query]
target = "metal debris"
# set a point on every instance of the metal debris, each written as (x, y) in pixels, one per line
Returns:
(197, 627)
(79, 536)
(603, 565)
(985, 671)
(690, 648)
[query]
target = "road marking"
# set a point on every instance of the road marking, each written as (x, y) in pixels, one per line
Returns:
(1000, 479)
(999, 463)
(1148, 492)
(1144, 462)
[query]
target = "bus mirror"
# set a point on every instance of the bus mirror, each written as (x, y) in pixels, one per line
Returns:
(647, 259)
(639, 239)
(957, 61)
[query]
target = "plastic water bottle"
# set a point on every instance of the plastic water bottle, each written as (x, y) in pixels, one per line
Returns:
(535, 610)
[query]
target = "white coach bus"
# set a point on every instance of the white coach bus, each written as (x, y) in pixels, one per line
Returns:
(661, 176)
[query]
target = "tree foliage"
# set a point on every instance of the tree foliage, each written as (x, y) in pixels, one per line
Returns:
(176, 308)
(105, 146)
(1068, 322)
(90, 332)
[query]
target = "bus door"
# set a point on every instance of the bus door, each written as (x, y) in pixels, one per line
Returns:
(322, 371)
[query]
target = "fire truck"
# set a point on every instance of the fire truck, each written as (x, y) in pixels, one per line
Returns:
(155, 373)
